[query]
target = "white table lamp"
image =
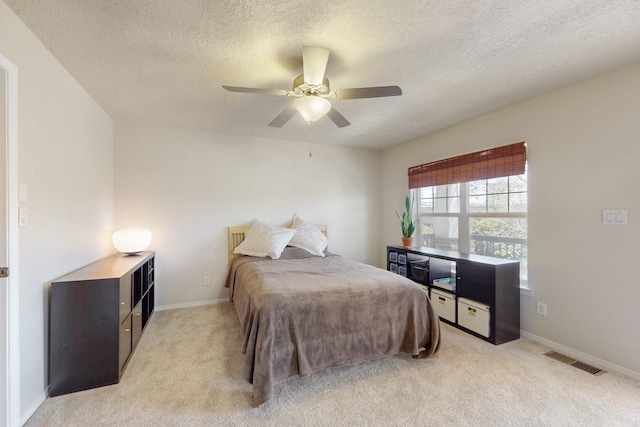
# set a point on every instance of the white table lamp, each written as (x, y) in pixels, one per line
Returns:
(131, 240)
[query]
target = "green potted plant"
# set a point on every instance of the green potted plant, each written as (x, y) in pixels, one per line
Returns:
(406, 222)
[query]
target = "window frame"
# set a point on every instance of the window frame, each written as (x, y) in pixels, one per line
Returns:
(464, 217)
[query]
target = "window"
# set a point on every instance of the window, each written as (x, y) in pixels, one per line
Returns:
(483, 217)
(439, 216)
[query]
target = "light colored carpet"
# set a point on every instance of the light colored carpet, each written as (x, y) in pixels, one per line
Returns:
(187, 368)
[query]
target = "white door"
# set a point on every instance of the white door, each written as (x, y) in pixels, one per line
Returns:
(4, 295)
(9, 352)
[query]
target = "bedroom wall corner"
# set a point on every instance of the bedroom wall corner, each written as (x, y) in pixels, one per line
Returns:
(582, 144)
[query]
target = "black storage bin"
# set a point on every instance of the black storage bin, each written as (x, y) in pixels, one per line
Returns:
(420, 270)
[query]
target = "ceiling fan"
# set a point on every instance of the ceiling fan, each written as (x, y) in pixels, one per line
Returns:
(311, 90)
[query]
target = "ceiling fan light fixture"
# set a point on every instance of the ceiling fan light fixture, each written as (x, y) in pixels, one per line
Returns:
(311, 108)
(311, 88)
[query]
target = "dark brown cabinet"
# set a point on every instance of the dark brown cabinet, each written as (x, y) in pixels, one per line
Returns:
(478, 294)
(96, 318)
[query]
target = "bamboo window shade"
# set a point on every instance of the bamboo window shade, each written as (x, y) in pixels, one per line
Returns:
(485, 164)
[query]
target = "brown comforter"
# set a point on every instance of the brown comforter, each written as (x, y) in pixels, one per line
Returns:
(303, 313)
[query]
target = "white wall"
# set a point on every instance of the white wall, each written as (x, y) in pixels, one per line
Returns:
(188, 186)
(583, 153)
(65, 150)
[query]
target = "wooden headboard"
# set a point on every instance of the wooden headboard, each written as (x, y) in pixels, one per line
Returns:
(236, 236)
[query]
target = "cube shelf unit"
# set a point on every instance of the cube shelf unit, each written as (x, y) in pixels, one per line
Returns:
(477, 294)
(96, 318)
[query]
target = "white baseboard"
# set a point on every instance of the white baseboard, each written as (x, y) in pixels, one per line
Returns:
(34, 406)
(578, 355)
(191, 304)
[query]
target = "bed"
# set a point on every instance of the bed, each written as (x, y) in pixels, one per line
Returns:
(302, 313)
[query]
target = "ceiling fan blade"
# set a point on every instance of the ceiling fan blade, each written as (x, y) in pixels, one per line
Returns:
(338, 118)
(368, 92)
(283, 117)
(314, 63)
(280, 92)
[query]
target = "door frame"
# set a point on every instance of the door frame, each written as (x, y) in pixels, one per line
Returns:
(13, 330)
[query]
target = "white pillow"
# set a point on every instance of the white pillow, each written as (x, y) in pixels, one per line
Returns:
(308, 237)
(264, 240)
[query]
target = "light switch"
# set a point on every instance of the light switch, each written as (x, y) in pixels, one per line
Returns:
(615, 217)
(23, 217)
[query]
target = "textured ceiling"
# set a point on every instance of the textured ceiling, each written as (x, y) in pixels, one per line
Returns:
(165, 61)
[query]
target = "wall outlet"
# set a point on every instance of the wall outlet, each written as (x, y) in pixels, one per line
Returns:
(207, 282)
(541, 309)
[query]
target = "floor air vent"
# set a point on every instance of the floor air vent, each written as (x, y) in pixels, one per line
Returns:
(575, 363)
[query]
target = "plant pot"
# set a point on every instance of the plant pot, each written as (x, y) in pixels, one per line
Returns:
(407, 242)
